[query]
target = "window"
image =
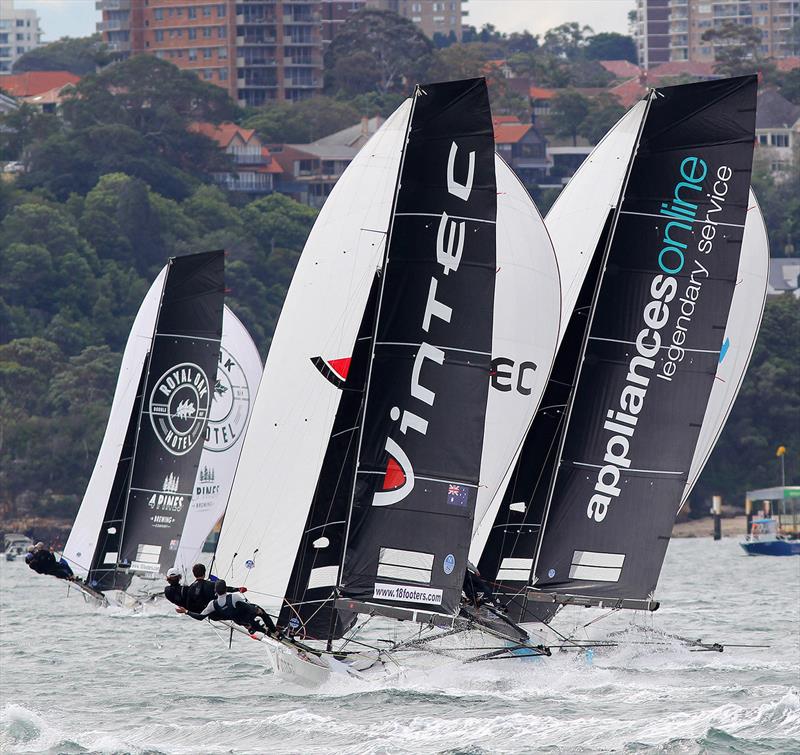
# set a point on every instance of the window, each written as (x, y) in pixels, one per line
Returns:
(207, 11)
(762, 139)
(222, 53)
(207, 32)
(192, 53)
(780, 140)
(207, 53)
(158, 14)
(223, 74)
(159, 35)
(20, 22)
(20, 50)
(221, 32)
(171, 12)
(221, 11)
(192, 33)
(192, 12)
(208, 74)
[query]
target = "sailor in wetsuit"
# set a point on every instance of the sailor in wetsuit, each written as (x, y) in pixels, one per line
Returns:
(201, 592)
(477, 592)
(42, 561)
(175, 592)
(236, 608)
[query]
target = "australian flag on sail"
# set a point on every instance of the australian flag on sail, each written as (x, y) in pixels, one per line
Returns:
(457, 495)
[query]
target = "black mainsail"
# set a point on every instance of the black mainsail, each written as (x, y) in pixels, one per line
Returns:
(155, 475)
(421, 437)
(650, 356)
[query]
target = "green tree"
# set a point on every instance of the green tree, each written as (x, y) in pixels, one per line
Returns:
(604, 111)
(611, 46)
(278, 221)
(376, 50)
(78, 55)
(133, 118)
(23, 127)
(304, 121)
(569, 111)
(766, 414)
(737, 49)
(567, 40)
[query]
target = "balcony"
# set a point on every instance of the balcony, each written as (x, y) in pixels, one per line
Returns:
(115, 25)
(119, 46)
(112, 5)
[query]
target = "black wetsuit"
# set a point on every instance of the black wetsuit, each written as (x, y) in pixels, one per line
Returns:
(236, 608)
(200, 593)
(176, 593)
(44, 562)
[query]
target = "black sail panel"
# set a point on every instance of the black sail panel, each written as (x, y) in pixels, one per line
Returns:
(103, 574)
(507, 558)
(421, 444)
(309, 598)
(174, 411)
(654, 342)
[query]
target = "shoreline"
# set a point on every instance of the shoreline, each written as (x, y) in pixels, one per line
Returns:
(735, 526)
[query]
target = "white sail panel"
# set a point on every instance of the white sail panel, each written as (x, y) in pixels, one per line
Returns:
(238, 376)
(527, 309)
(576, 219)
(296, 405)
(744, 320)
(83, 537)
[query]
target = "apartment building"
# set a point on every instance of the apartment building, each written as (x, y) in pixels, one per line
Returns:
(19, 33)
(690, 19)
(258, 50)
(431, 16)
(651, 32)
(686, 21)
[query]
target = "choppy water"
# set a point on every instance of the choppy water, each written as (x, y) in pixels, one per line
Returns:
(76, 679)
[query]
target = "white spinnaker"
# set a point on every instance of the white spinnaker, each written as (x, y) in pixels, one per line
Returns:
(741, 331)
(575, 224)
(85, 531)
(576, 219)
(238, 376)
(527, 308)
(296, 405)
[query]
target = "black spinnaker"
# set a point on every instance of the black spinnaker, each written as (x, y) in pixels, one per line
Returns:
(421, 439)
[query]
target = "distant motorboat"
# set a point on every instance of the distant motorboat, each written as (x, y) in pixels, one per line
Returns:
(766, 540)
(15, 544)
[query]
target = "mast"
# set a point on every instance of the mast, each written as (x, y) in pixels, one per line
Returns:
(420, 443)
(650, 358)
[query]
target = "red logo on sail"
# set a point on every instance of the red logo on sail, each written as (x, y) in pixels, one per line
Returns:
(333, 370)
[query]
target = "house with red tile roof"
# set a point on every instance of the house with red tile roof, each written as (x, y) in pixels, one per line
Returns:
(32, 83)
(621, 69)
(255, 168)
(522, 146)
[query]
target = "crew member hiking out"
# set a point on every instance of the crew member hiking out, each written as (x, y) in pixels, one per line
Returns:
(201, 592)
(236, 608)
(42, 561)
(175, 592)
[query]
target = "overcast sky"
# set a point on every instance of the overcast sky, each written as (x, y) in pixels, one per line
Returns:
(76, 18)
